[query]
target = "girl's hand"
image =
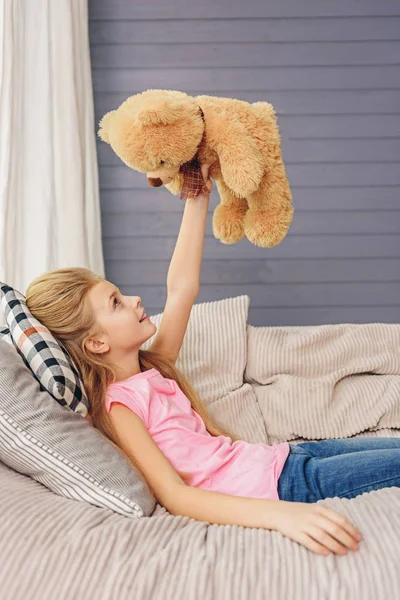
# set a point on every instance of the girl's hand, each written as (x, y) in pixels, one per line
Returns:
(317, 527)
(204, 171)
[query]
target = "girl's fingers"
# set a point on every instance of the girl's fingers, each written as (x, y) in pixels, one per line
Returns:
(340, 520)
(308, 542)
(319, 533)
(204, 170)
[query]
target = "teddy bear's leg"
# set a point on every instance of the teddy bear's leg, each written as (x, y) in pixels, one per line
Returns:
(270, 209)
(228, 217)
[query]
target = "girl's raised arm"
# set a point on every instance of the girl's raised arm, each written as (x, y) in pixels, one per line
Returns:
(185, 266)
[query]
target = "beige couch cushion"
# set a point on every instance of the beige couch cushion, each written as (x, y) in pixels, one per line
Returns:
(325, 381)
(214, 351)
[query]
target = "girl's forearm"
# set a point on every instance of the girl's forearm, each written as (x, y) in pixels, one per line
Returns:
(223, 509)
(185, 266)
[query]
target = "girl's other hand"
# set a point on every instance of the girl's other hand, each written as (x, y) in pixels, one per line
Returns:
(317, 527)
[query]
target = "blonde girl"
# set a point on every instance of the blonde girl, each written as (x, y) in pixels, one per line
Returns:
(103, 330)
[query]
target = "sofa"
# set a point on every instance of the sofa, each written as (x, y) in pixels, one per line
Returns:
(265, 383)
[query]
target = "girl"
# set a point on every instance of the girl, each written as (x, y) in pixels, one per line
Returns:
(142, 403)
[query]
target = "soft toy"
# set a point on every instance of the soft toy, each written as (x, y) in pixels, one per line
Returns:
(168, 134)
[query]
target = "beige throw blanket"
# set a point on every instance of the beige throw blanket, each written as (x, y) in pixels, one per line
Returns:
(325, 381)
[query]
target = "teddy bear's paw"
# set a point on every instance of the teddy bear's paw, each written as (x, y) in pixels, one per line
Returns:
(228, 223)
(266, 228)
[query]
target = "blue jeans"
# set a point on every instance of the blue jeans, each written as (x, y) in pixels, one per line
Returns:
(339, 467)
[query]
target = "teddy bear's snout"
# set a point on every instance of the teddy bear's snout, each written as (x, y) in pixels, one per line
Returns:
(155, 181)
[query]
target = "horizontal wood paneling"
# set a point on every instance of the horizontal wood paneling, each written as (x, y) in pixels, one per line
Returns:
(315, 29)
(278, 316)
(357, 77)
(332, 72)
(322, 223)
(252, 54)
(300, 246)
(290, 295)
(321, 316)
(309, 198)
(298, 102)
(209, 9)
(137, 272)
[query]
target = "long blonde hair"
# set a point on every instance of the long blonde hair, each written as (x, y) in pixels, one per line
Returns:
(59, 300)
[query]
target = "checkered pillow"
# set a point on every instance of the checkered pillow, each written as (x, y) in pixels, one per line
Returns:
(45, 356)
(5, 335)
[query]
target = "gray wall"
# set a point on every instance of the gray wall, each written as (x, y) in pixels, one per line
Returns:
(331, 70)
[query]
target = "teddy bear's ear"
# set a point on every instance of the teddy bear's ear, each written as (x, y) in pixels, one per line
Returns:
(104, 126)
(162, 111)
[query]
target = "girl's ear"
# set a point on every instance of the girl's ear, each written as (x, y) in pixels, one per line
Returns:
(104, 125)
(96, 346)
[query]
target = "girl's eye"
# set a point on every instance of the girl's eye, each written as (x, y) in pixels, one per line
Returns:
(115, 300)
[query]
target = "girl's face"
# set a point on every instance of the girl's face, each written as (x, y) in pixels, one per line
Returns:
(120, 317)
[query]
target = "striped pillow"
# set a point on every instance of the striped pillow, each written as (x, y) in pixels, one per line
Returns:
(46, 357)
(60, 450)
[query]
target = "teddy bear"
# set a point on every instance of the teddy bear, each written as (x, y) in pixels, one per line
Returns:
(168, 134)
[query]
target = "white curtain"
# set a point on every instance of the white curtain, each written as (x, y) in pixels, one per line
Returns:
(49, 194)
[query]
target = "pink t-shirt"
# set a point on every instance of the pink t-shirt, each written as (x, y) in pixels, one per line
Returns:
(216, 463)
